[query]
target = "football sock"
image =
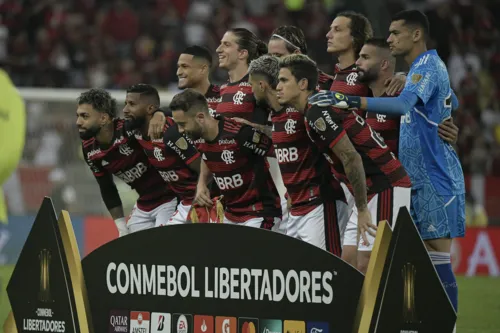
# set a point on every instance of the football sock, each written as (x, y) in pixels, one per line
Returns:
(442, 263)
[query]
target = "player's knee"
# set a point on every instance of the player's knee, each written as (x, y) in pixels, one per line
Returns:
(438, 245)
(349, 253)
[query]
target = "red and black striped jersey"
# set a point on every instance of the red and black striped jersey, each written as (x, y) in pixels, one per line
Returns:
(213, 98)
(387, 126)
(237, 158)
(237, 100)
(125, 159)
(327, 125)
(345, 81)
(171, 155)
(325, 81)
(303, 168)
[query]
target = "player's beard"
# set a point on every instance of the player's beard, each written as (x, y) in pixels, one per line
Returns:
(134, 123)
(90, 133)
(368, 76)
(196, 133)
(263, 103)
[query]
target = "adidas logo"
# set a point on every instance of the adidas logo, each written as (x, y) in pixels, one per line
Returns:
(204, 157)
(431, 229)
(104, 163)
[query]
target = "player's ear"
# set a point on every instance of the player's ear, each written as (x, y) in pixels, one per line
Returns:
(417, 35)
(243, 54)
(303, 83)
(151, 109)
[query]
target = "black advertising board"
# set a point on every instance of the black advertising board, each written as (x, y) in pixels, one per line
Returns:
(45, 287)
(216, 278)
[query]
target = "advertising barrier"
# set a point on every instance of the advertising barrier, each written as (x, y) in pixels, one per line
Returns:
(218, 278)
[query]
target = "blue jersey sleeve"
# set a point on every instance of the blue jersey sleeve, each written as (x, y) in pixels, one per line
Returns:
(423, 80)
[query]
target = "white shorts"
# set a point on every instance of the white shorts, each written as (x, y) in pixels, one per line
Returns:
(140, 220)
(319, 227)
(383, 206)
(257, 222)
(180, 215)
(280, 227)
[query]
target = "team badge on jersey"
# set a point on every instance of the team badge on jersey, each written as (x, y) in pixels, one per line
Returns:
(181, 143)
(320, 124)
(256, 137)
(415, 78)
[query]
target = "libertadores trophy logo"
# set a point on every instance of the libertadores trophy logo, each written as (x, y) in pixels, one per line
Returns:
(409, 311)
(44, 294)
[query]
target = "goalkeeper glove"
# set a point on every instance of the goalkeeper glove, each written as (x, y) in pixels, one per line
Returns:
(121, 225)
(326, 98)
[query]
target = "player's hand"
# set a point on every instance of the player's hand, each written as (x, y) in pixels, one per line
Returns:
(241, 120)
(202, 197)
(156, 125)
(325, 98)
(395, 84)
(448, 131)
(121, 225)
(365, 226)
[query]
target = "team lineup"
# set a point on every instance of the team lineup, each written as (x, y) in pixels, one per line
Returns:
(349, 149)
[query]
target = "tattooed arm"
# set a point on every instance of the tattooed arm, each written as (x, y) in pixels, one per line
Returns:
(354, 170)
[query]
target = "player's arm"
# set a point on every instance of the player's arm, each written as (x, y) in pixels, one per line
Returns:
(187, 151)
(323, 122)
(266, 129)
(110, 196)
(202, 197)
(255, 142)
(157, 123)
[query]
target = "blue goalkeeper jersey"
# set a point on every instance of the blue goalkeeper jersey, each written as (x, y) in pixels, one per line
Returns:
(428, 159)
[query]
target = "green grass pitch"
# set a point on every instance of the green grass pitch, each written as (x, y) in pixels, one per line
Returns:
(479, 303)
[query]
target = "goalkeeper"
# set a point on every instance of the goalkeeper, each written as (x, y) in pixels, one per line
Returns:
(12, 133)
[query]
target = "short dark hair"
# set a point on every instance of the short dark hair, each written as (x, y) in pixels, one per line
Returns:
(247, 40)
(199, 52)
(100, 100)
(294, 38)
(145, 90)
(378, 42)
(190, 101)
(301, 67)
(267, 66)
(361, 28)
(414, 18)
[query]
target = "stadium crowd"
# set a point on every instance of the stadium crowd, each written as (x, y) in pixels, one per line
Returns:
(113, 44)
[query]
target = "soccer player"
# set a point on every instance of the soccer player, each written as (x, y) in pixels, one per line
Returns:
(108, 151)
(314, 194)
(238, 48)
(438, 200)
(174, 156)
(193, 70)
(235, 154)
(375, 66)
(289, 39)
(387, 184)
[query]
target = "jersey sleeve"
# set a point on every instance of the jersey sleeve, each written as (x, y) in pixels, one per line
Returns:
(107, 187)
(326, 124)
(187, 151)
(423, 81)
(255, 142)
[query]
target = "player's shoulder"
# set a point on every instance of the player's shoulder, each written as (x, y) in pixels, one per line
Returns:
(213, 92)
(230, 126)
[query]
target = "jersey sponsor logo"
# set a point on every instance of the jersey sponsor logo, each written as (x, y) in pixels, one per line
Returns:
(228, 156)
(290, 126)
(286, 155)
(244, 84)
(158, 154)
(290, 110)
(238, 97)
(130, 175)
(169, 176)
(424, 83)
(253, 146)
(329, 120)
(173, 146)
(406, 119)
(227, 142)
(160, 140)
(214, 99)
(119, 140)
(125, 150)
(227, 183)
(181, 143)
(93, 152)
(415, 78)
(351, 79)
